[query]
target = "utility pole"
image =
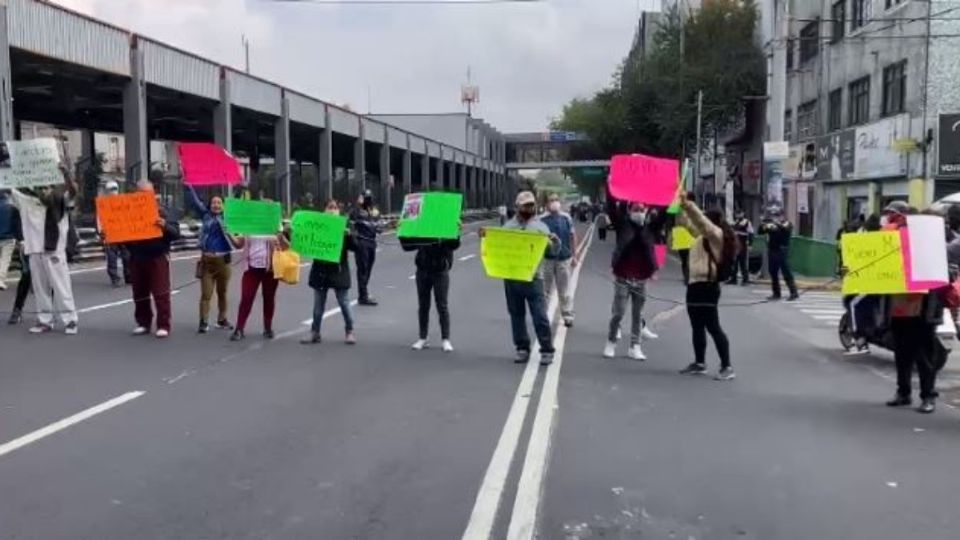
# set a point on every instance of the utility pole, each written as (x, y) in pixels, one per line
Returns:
(696, 163)
(777, 89)
(246, 52)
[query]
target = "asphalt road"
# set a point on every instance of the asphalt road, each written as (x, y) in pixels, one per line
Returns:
(278, 440)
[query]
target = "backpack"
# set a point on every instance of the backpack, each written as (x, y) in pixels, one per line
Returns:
(728, 255)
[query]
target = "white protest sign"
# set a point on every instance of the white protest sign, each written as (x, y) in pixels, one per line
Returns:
(30, 163)
(928, 250)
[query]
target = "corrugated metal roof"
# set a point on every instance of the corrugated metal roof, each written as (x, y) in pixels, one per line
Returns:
(306, 110)
(344, 122)
(57, 33)
(171, 68)
(373, 131)
(253, 93)
(398, 138)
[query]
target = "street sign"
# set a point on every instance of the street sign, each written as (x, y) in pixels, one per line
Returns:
(948, 146)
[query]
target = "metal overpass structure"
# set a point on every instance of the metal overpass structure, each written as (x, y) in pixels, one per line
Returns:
(65, 69)
(549, 150)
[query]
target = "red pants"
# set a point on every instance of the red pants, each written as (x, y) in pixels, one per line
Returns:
(151, 277)
(252, 279)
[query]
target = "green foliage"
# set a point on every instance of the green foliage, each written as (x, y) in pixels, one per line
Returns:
(651, 106)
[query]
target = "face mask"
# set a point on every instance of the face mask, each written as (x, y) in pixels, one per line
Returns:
(525, 213)
(884, 221)
(554, 206)
(638, 217)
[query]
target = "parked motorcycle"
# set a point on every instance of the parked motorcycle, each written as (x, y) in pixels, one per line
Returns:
(882, 337)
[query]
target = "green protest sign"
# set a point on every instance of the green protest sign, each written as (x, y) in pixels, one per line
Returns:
(317, 235)
(253, 218)
(431, 215)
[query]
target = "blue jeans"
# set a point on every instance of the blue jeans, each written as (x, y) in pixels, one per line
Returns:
(114, 255)
(320, 306)
(519, 296)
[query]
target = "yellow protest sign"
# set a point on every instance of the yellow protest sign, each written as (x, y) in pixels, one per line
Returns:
(512, 254)
(874, 262)
(681, 238)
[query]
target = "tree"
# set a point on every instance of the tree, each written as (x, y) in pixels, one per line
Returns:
(651, 105)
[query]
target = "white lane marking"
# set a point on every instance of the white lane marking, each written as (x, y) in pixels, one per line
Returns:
(826, 317)
(484, 513)
(328, 313)
(823, 311)
(467, 257)
(114, 304)
(67, 422)
(102, 268)
(412, 277)
(526, 505)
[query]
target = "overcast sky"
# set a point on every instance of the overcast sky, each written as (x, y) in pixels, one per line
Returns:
(527, 59)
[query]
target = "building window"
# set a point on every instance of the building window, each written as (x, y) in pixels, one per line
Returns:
(859, 109)
(894, 88)
(861, 13)
(788, 126)
(807, 120)
(809, 41)
(790, 54)
(838, 15)
(835, 110)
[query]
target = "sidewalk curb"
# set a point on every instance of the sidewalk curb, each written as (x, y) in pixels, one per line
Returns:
(808, 285)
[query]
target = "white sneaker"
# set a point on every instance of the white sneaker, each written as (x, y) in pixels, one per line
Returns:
(419, 344)
(610, 350)
(140, 331)
(636, 353)
(71, 329)
(619, 334)
(161, 333)
(646, 333)
(447, 346)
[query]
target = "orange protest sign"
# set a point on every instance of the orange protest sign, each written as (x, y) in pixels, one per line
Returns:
(129, 217)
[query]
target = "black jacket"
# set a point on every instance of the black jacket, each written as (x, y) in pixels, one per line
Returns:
(631, 236)
(329, 275)
(364, 226)
(778, 234)
(433, 256)
(148, 249)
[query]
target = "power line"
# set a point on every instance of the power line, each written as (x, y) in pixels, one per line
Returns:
(407, 2)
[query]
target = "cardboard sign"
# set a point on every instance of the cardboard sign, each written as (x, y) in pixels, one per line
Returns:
(254, 218)
(318, 235)
(644, 179)
(431, 215)
(680, 238)
(874, 262)
(206, 164)
(129, 217)
(512, 254)
(925, 253)
(30, 163)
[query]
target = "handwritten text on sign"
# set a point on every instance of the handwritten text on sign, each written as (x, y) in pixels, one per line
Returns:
(317, 235)
(129, 217)
(31, 163)
(644, 179)
(254, 218)
(874, 262)
(512, 254)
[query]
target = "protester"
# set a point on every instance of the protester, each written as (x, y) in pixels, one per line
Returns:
(603, 223)
(213, 268)
(633, 264)
(703, 291)
(521, 294)
(115, 253)
(258, 253)
(43, 215)
(779, 230)
(913, 322)
(363, 220)
(332, 275)
(743, 228)
(8, 240)
(434, 260)
(25, 283)
(557, 265)
(150, 272)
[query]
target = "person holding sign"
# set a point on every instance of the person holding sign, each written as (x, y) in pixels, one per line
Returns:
(258, 252)
(703, 291)
(213, 268)
(325, 276)
(150, 272)
(43, 213)
(434, 261)
(557, 266)
(521, 294)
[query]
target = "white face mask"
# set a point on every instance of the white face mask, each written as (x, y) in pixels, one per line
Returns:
(884, 221)
(554, 206)
(638, 217)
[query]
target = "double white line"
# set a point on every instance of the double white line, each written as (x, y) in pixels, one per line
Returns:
(526, 506)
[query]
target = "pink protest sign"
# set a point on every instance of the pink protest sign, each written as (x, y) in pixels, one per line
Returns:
(644, 179)
(206, 164)
(660, 251)
(924, 252)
